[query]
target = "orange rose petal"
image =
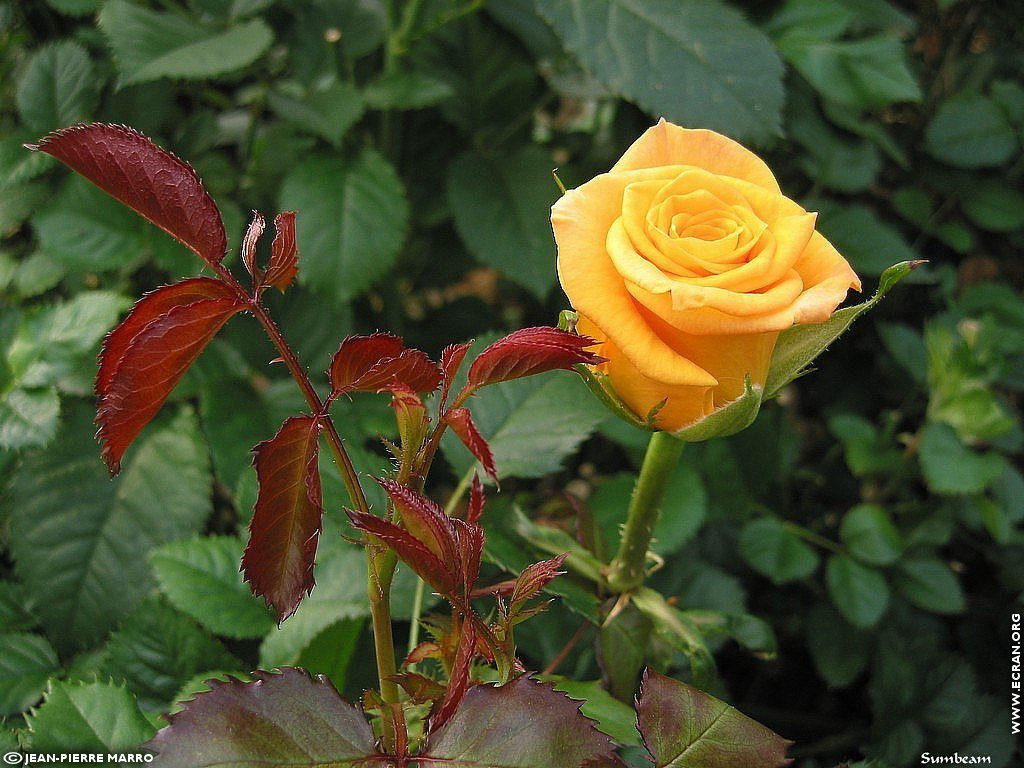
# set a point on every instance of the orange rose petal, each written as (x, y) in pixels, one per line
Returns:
(581, 220)
(708, 321)
(669, 144)
(829, 278)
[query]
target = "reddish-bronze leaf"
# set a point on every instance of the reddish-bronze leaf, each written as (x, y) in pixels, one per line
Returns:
(476, 501)
(471, 548)
(458, 680)
(534, 578)
(426, 520)
(522, 724)
(375, 362)
(278, 561)
(144, 358)
(529, 351)
(428, 566)
(284, 264)
(461, 422)
(451, 360)
(425, 650)
(683, 726)
(252, 236)
(148, 179)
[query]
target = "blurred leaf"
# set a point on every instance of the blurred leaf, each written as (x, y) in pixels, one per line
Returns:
(201, 578)
(970, 131)
(773, 550)
(839, 650)
(87, 551)
(406, 90)
(38, 273)
(94, 717)
(75, 7)
(696, 63)
(906, 347)
(860, 593)
(949, 467)
(870, 535)
(331, 652)
(16, 608)
(300, 719)
(613, 717)
(929, 584)
(501, 206)
(994, 205)
(623, 645)
(870, 244)
(26, 662)
(57, 88)
(532, 424)
(832, 160)
(157, 650)
(352, 221)
(328, 112)
(683, 727)
(148, 45)
(28, 418)
(679, 632)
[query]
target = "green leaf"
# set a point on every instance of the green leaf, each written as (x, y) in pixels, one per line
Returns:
(994, 205)
(353, 221)
(90, 717)
(695, 63)
(906, 347)
(202, 683)
(285, 718)
(679, 632)
(833, 160)
(28, 418)
(949, 467)
(798, 346)
(970, 131)
(623, 644)
(86, 551)
(867, 451)
(866, 74)
(58, 87)
(611, 716)
(16, 608)
(522, 724)
(870, 244)
(86, 229)
(929, 584)
(684, 727)
(148, 45)
(840, 651)
(532, 424)
(26, 662)
(38, 273)
(331, 652)
(201, 578)
(157, 650)
(406, 90)
(870, 535)
(860, 593)
(554, 541)
(772, 549)
(502, 207)
(328, 111)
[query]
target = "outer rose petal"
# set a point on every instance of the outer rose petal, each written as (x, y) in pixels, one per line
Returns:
(827, 277)
(669, 144)
(581, 219)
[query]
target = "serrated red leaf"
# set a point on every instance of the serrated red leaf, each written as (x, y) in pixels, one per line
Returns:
(252, 236)
(284, 264)
(438, 574)
(426, 520)
(144, 358)
(471, 548)
(451, 360)
(529, 351)
(372, 363)
(476, 501)
(150, 180)
(461, 422)
(458, 679)
(534, 578)
(286, 521)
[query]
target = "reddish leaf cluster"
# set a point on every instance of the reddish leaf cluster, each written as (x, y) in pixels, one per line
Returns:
(284, 263)
(529, 351)
(379, 361)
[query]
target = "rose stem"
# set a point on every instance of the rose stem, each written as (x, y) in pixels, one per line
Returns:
(628, 569)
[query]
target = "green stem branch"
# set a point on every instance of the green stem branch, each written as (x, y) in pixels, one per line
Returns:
(629, 567)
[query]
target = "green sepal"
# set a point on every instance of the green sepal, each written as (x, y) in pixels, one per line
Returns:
(727, 420)
(798, 346)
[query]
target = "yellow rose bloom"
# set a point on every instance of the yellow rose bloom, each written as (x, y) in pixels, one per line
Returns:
(685, 261)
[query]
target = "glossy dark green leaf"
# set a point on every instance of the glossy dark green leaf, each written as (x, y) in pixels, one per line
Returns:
(610, 715)
(91, 717)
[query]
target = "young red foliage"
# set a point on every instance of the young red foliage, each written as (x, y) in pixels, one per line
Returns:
(148, 179)
(284, 264)
(372, 363)
(529, 351)
(461, 422)
(476, 501)
(440, 575)
(286, 521)
(253, 233)
(458, 679)
(451, 360)
(410, 415)
(424, 519)
(145, 357)
(534, 578)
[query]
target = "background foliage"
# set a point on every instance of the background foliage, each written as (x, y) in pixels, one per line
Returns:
(871, 516)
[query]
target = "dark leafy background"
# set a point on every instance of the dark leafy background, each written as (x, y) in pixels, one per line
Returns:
(871, 516)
